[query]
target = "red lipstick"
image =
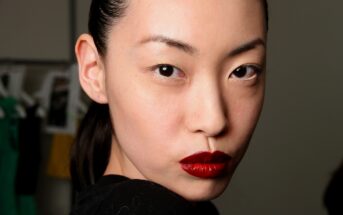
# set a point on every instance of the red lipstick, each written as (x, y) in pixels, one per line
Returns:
(206, 164)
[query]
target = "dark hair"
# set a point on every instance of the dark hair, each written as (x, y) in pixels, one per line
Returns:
(90, 153)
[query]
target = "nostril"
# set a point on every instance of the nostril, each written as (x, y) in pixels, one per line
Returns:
(214, 132)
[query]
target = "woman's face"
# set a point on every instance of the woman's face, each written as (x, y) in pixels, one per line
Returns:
(184, 77)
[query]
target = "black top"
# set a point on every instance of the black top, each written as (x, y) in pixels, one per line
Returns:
(118, 195)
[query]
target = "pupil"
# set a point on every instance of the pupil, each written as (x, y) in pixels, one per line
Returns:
(166, 70)
(240, 72)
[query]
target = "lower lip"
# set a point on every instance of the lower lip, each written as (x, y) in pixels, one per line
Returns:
(205, 170)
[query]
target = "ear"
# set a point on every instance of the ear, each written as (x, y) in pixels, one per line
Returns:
(91, 69)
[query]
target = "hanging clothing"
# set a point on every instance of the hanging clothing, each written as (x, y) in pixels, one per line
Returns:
(58, 164)
(8, 156)
(28, 161)
(29, 152)
(26, 205)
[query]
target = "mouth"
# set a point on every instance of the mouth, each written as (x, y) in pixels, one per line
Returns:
(206, 164)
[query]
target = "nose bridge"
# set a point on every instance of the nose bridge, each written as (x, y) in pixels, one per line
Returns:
(206, 111)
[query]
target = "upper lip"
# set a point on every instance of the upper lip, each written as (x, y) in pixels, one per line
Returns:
(206, 157)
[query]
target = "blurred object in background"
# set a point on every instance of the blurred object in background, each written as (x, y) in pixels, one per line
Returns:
(333, 196)
(34, 148)
(59, 161)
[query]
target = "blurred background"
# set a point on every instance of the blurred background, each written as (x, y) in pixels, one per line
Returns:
(297, 146)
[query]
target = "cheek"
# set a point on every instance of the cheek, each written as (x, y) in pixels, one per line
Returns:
(146, 121)
(246, 113)
(245, 103)
(243, 114)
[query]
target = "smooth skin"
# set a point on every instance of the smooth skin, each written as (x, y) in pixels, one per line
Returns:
(180, 77)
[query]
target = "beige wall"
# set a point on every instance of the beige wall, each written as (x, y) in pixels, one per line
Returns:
(298, 142)
(38, 29)
(34, 29)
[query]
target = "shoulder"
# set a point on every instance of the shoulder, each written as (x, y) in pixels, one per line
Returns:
(137, 197)
(130, 197)
(144, 197)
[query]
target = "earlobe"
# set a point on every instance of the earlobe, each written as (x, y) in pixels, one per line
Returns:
(91, 69)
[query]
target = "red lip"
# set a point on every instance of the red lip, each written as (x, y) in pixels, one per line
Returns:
(206, 164)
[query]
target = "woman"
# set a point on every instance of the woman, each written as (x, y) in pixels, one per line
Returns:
(178, 87)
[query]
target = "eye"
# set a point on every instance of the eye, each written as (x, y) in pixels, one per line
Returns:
(168, 71)
(246, 72)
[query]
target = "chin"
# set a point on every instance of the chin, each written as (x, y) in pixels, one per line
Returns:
(205, 190)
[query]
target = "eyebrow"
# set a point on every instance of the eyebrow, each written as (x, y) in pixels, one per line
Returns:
(192, 50)
(247, 46)
(171, 42)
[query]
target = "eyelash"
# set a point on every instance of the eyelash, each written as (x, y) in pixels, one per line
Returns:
(255, 68)
(160, 66)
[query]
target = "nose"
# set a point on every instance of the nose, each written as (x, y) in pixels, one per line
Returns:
(206, 112)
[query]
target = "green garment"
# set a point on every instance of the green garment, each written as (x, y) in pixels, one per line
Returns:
(26, 205)
(8, 157)
(10, 202)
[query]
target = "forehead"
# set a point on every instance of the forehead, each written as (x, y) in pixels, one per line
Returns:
(194, 21)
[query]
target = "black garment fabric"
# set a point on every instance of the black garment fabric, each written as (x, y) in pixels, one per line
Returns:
(118, 195)
(333, 196)
(29, 152)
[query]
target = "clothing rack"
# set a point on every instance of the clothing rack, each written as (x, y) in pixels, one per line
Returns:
(72, 29)
(64, 63)
(35, 62)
